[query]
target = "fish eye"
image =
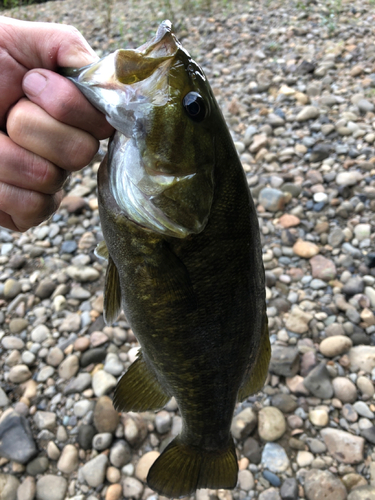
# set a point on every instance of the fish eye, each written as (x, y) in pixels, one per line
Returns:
(195, 106)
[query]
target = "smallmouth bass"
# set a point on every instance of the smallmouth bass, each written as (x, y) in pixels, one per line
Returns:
(184, 255)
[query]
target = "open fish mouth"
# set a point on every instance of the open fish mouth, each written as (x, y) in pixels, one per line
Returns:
(126, 84)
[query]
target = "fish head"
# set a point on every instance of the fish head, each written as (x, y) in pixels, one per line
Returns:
(162, 157)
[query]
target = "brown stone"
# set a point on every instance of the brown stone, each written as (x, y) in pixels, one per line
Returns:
(305, 249)
(323, 268)
(288, 220)
(106, 418)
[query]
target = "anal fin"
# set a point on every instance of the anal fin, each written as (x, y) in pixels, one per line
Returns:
(112, 294)
(181, 469)
(258, 373)
(139, 390)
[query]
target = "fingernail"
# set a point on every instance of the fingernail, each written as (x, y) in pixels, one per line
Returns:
(34, 83)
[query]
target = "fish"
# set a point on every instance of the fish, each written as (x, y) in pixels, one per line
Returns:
(182, 240)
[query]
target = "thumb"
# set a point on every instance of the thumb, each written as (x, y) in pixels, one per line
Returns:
(45, 45)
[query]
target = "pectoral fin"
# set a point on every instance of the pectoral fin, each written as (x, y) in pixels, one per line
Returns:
(139, 390)
(257, 375)
(112, 294)
(101, 251)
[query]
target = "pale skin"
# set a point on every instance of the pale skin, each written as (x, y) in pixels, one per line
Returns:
(47, 128)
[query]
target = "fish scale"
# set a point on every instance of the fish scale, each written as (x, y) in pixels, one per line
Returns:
(184, 255)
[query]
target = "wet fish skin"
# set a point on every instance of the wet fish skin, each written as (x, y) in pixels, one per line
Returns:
(194, 291)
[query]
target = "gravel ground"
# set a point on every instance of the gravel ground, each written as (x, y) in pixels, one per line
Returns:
(296, 81)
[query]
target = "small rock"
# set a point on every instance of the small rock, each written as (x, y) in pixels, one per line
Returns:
(106, 418)
(271, 423)
(17, 325)
(274, 458)
(9, 342)
(307, 113)
(289, 489)
(103, 382)
(11, 289)
(284, 402)
(78, 384)
(363, 410)
(348, 178)
(132, 488)
(45, 420)
(50, 487)
(93, 472)
(343, 446)
(322, 484)
(120, 454)
(305, 249)
(102, 441)
(272, 199)
(284, 360)
(362, 493)
(54, 356)
(82, 274)
(362, 357)
(69, 367)
(45, 289)
(16, 439)
(19, 374)
(86, 432)
(335, 346)
(323, 268)
(27, 489)
(318, 382)
(53, 451)
(319, 417)
(365, 386)
(304, 458)
(8, 486)
(344, 389)
(297, 321)
(114, 492)
(68, 461)
(244, 423)
(246, 480)
(37, 466)
(144, 464)
(251, 450)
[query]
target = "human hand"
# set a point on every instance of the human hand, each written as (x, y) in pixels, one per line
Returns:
(47, 127)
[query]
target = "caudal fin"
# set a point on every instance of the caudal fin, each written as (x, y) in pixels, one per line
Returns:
(181, 469)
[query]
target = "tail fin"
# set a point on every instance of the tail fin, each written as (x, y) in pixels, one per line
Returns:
(181, 469)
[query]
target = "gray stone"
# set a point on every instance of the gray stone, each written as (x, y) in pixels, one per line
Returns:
(96, 355)
(120, 454)
(40, 333)
(82, 274)
(289, 489)
(307, 113)
(55, 356)
(19, 373)
(11, 289)
(16, 439)
(86, 432)
(45, 288)
(163, 421)
(284, 360)
(318, 382)
(353, 286)
(8, 487)
(362, 409)
(275, 458)
(252, 451)
(37, 466)
(51, 487)
(102, 441)
(284, 402)
(132, 488)
(93, 472)
(45, 420)
(270, 494)
(78, 384)
(323, 485)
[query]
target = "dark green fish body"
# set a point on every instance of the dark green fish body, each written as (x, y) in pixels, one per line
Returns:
(185, 264)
